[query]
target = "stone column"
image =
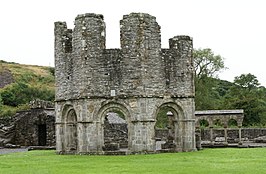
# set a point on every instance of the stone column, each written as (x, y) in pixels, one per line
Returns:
(59, 137)
(188, 135)
(198, 138)
(211, 135)
(239, 133)
(143, 137)
(225, 134)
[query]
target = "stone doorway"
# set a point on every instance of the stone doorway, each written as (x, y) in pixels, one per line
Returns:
(115, 132)
(71, 129)
(42, 135)
(167, 130)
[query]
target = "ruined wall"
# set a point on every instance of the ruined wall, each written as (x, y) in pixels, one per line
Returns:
(138, 80)
(27, 131)
(24, 128)
(247, 134)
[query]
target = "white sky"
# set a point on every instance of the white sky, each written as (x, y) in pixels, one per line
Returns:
(235, 29)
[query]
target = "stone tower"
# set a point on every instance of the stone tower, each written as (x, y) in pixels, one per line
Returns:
(136, 81)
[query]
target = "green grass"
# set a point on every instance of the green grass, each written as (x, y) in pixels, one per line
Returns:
(206, 161)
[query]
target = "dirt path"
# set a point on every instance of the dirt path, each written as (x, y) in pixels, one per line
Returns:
(6, 150)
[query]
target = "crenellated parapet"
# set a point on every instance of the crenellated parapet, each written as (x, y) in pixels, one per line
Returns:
(85, 68)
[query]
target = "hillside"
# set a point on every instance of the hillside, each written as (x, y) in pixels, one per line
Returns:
(20, 84)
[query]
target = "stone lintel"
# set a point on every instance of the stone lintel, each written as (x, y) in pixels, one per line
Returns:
(219, 112)
(143, 121)
(186, 120)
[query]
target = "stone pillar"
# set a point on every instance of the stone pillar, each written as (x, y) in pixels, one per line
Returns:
(239, 133)
(189, 135)
(143, 137)
(225, 135)
(211, 135)
(90, 138)
(59, 137)
(198, 138)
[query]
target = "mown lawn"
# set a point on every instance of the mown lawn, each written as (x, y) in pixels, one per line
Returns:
(226, 160)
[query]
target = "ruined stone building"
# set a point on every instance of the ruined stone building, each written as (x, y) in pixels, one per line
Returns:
(136, 81)
(219, 118)
(34, 127)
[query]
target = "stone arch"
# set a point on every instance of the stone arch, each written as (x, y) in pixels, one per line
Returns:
(65, 111)
(114, 107)
(202, 123)
(69, 118)
(174, 108)
(174, 137)
(217, 122)
(232, 122)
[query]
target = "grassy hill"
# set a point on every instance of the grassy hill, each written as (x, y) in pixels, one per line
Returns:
(19, 84)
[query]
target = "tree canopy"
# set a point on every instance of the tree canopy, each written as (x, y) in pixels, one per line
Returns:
(248, 95)
(206, 63)
(207, 66)
(244, 92)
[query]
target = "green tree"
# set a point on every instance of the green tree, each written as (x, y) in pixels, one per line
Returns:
(247, 81)
(248, 95)
(206, 63)
(207, 66)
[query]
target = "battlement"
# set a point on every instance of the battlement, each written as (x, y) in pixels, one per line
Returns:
(90, 15)
(85, 68)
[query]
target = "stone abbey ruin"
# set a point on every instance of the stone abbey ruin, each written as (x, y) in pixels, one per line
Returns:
(137, 99)
(136, 81)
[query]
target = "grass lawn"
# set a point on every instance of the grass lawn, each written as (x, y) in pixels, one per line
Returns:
(224, 160)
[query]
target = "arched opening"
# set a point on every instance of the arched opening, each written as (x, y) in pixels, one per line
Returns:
(232, 123)
(203, 123)
(217, 123)
(71, 131)
(167, 129)
(115, 132)
(115, 128)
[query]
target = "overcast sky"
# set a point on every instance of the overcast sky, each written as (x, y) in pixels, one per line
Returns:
(234, 29)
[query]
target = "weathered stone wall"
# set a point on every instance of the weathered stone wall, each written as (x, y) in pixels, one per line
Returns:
(27, 128)
(138, 80)
(141, 56)
(221, 116)
(116, 133)
(24, 128)
(247, 133)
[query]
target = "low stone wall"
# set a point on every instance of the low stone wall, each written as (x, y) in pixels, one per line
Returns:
(116, 134)
(161, 134)
(248, 134)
